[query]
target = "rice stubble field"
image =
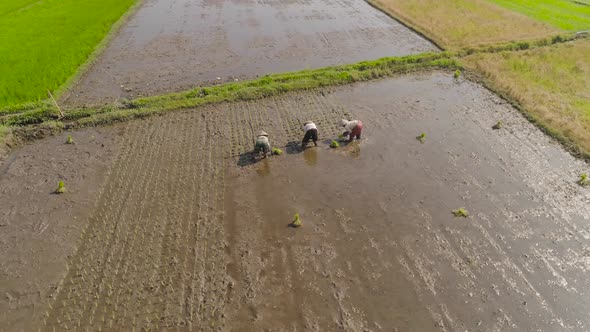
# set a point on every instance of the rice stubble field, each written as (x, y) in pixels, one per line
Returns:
(552, 84)
(456, 24)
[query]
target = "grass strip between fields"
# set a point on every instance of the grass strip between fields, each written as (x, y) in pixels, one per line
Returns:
(246, 90)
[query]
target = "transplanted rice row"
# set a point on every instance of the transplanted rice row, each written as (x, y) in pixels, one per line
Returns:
(126, 272)
(153, 255)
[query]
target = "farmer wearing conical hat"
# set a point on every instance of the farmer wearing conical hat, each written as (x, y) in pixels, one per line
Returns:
(354, 128)
(311, 133)
(262, 144)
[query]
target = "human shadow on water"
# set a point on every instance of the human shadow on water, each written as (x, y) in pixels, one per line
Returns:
(247, 159)
(250, 158)
(293, 147)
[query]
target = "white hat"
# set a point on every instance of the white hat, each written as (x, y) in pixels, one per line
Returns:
(344, 122)
(262, 133)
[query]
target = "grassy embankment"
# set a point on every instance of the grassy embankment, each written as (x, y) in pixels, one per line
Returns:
(45, 112)
(44, 43)
(550, 85)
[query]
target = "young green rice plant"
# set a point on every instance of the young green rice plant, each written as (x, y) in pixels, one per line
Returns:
(457, 74)
(461, 212)
(583, 181)
(70, 140)
(61, 188)
(334, 145)
(296, 221)
(498, 125)
(421, 138)
(277, 151)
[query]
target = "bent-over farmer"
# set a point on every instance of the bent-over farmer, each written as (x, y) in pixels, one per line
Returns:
(354, 128)
(262, 144)
(311, 133)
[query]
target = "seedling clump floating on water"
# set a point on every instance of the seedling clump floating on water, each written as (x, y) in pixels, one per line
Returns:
(334, 145)
(296, 221)
(457, 73)
(498, 125)
(584, 182)
(70, 140)
(461, 213)
(421, 138)
(277, 151)
(61, 188)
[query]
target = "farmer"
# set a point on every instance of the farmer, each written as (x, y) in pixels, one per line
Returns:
(262, 144)
(311, 133)
(353, 128)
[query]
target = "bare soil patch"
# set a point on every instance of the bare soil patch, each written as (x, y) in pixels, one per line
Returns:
(189, 234)
(171, 46)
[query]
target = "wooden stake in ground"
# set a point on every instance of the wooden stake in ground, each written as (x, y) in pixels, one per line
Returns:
(56, 105)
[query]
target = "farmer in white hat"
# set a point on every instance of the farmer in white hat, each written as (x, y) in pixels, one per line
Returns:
(262, 144)
(354, 128)
(311, 133)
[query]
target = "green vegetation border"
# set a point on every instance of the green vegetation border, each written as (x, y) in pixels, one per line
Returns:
(262, 87)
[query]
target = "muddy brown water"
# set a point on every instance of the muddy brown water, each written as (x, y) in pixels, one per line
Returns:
(186, 233)
(175, 45)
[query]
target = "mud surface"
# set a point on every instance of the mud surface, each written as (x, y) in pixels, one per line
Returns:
(189, 234)
(175, 45)
(40, 230)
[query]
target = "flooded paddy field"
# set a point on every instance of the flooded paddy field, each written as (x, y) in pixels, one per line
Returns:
(175, 45)
(182, 230)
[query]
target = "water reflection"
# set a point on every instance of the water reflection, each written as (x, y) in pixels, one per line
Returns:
(264, 167)
(311, 156)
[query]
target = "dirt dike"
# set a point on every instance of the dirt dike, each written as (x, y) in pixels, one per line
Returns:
(188, 233)
(172, 46)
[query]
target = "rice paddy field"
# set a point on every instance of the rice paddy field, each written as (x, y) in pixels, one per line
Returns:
(571, 15)
(44, 43)
(168, 221)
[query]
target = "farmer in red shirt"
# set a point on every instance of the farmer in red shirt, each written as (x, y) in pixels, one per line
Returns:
(354, 128)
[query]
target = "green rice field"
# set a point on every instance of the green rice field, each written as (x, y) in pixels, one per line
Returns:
(573, 15)
(44, 42)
